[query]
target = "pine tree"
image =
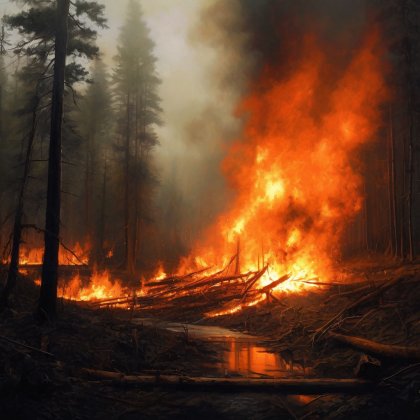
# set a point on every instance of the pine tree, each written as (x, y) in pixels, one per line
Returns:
(95, 124)
(136, 85)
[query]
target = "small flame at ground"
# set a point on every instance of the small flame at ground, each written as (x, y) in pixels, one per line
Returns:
(100, 286)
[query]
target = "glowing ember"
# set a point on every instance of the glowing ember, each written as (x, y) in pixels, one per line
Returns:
(295, 170)
(236, 308)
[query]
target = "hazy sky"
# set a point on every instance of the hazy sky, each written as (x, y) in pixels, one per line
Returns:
(197, 113)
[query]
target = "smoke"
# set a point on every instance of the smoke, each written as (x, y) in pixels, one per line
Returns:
(200, 92)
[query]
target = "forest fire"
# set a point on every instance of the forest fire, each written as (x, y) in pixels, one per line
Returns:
(296, 176)
(296, 169)
(209, 209)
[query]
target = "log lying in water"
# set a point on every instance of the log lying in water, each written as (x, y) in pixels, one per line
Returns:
(378, 349)
(287, 386)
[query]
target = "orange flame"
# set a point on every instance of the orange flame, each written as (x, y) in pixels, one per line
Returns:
(100, 286)
(34, 256)
(295, 170)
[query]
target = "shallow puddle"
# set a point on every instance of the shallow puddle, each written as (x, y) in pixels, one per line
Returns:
(241, 354)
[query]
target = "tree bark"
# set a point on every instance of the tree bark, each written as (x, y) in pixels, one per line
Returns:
(48, 296)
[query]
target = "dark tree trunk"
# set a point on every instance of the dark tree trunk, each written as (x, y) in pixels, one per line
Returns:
(127, 237)
(410, 168)
(101, 233)
(392, 188)
(136, 184)
(48, 296)
(17, 226)
(88, 191)
(1, 112)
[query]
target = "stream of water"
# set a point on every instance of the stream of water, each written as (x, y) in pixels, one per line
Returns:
(242, 354)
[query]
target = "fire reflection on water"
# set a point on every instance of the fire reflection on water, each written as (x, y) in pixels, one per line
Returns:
(247, 358)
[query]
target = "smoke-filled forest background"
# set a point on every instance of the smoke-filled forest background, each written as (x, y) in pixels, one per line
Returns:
(145, 138)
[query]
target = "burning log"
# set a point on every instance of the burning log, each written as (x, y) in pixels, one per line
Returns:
(267, 289)
(254, 279)
(208, 281)
(282, 385)
(378, 349)
(175, 279)
(168, 281)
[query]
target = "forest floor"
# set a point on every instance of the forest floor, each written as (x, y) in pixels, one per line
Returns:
(46, 380)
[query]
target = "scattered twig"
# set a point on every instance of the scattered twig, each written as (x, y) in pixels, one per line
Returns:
(17, 343)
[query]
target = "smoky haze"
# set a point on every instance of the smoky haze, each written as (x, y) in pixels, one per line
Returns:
(203, 73)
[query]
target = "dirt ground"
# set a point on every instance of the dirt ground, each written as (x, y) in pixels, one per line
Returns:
(36, 385)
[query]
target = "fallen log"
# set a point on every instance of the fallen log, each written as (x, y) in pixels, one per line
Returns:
(378, 349)
(272, 285)
(277, 385)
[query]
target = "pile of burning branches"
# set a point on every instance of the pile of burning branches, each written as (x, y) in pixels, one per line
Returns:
(214, 294)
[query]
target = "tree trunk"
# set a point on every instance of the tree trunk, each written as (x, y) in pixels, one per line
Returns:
(88, 191)
(392, 182)
(127, 237)
(101, 233)
(48, 295)
(410, 168)
(136, 177)
(1, 112)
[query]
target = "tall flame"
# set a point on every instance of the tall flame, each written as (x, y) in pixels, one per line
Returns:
(295, 169)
